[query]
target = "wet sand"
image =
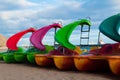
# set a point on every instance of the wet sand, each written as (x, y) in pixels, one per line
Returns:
(27, 71)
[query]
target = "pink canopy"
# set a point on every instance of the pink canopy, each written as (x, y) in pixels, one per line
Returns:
(37, 36)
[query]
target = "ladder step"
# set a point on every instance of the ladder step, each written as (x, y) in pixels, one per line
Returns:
(84, 37)
(86, 31)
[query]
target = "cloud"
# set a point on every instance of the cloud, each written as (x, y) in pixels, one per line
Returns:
(73, 4)
(15, 21)
(115, 4)
(24, 42)
(14, 5)
(93, 38)
(19, 15)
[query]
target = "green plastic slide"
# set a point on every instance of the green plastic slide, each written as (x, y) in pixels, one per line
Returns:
(110, 27)
(62, 36)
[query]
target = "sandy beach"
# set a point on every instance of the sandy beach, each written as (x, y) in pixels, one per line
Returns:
(26, 71)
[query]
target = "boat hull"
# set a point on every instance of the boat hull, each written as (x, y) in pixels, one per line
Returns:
(20, 57)
(43, 60)
(64, 62)
(31, 58)
(86, 63)
(9, 58)
(114, 63)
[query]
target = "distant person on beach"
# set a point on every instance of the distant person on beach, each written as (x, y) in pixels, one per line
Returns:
(101, 42)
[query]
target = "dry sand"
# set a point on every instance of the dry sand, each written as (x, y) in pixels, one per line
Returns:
(27, 71)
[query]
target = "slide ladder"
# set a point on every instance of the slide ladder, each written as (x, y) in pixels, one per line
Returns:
(84, 35)
(62, 36)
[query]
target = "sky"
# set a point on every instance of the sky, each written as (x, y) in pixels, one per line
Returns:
(19, 15)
